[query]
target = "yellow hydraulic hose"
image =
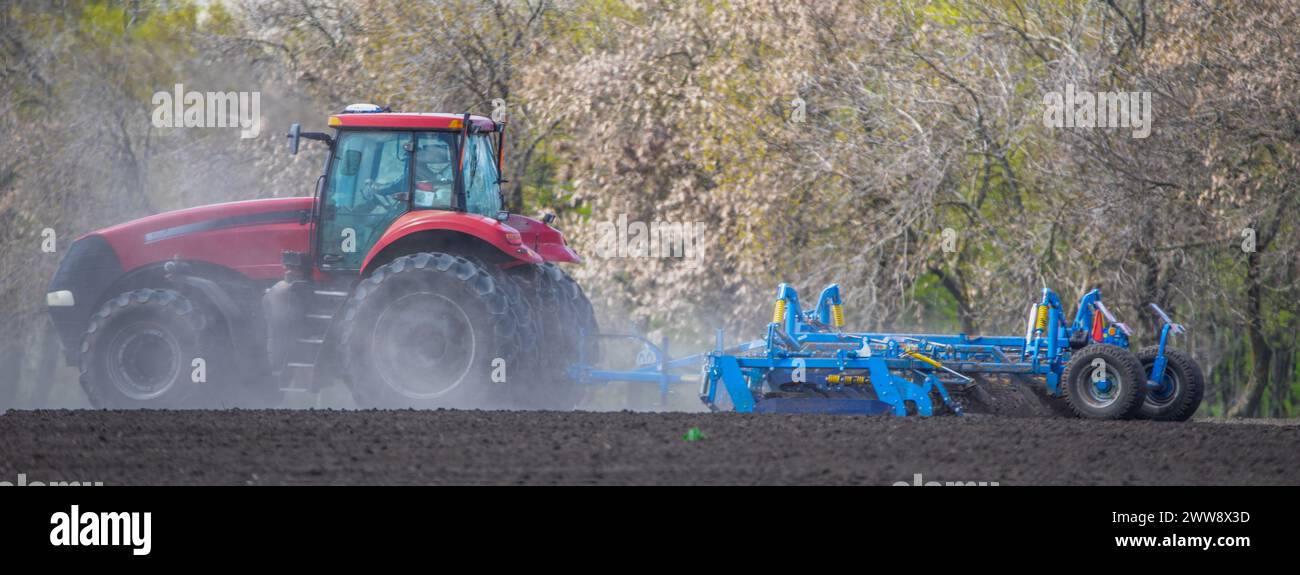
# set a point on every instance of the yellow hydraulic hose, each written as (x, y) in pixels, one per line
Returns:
(918, 356)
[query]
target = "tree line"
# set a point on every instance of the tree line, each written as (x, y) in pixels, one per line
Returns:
(911, 150)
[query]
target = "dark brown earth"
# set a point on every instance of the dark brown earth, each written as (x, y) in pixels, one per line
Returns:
(482, 447)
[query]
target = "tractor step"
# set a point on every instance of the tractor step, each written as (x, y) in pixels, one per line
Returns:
(296, 377)
(303, 346)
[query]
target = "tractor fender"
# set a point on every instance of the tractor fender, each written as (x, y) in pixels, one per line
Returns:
(224, 292)
(544, 239)
(213, 292)
(492, 232)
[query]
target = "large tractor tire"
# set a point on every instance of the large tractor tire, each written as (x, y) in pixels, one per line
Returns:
(538, 378)
(565, 329)
(1180, 391)
(149, 348)
(428, 330)
(584, 326)
(1105, 381)
(527, 319)
(579, 320)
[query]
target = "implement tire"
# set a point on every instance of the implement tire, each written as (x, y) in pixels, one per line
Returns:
(1105, 382)
(1181, 391)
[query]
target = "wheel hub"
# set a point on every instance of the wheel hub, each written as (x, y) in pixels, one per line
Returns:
(144, 361)
(426, 345)
(1166, 390)
(1102, 391)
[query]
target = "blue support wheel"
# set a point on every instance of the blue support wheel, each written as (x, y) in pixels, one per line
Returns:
(1179, 392)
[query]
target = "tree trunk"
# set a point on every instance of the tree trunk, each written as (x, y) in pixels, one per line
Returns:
(1247, 402)
(955, 287)
(1281, 368)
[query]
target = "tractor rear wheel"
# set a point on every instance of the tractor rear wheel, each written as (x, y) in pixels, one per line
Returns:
(428, 330)
(565, 328)
(579, 321)
(1181, 389)
(1105, 381)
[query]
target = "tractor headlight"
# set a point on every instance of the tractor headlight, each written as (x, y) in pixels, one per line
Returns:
(61, 298)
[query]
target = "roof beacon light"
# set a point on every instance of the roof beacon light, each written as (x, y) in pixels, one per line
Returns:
(362, 109)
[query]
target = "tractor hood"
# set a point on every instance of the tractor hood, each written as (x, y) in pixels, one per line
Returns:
(246, 236)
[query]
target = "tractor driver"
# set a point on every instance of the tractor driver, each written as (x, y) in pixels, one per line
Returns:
(433, 181)
(433, 175)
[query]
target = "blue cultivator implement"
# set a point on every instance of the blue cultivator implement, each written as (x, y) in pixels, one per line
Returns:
(808, 364)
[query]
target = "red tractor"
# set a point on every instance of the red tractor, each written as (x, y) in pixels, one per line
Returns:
(402, 276)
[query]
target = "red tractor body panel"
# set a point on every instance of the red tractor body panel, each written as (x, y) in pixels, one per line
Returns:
(246, 236)
(502, 236)
(523, 238)
(543, 239)
(249, 236)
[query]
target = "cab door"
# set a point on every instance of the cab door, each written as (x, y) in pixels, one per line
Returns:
(368, 186)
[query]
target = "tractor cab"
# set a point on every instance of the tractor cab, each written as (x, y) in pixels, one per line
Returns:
(383, 166)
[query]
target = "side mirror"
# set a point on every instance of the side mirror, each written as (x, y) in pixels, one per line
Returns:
(351, 162)
(295, 133)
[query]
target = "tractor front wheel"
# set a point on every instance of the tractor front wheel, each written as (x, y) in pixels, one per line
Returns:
(147, 348)
(1104, 381)
(1179, 392)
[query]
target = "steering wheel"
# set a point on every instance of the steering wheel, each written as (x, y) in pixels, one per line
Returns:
(370, 194)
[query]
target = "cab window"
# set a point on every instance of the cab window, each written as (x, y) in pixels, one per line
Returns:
(434, 180)
(482, 185)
